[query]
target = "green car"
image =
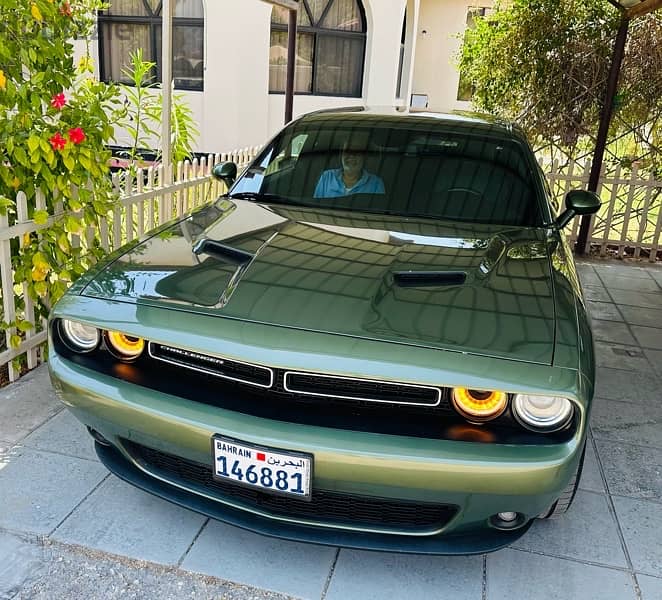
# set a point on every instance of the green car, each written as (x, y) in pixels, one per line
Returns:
(376, 339)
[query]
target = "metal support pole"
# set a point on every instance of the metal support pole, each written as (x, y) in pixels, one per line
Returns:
(605, 119)
(166, 88)
(291, 64)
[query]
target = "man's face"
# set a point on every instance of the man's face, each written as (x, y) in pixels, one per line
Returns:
(352, 161)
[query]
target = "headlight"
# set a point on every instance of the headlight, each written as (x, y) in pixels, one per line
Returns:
(123, 346)
(542, 413)
(78, 336)
(479, 405)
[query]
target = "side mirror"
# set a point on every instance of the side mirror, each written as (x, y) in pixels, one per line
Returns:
(578, 202)
(225, 172)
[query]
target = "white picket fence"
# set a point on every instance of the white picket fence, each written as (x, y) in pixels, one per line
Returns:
(144, 202)
(630, 222)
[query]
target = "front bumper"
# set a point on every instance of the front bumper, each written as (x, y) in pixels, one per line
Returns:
(480, 478)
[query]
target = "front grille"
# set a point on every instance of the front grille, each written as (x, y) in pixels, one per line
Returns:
(325, 507)
(401, 409)
(221, 367)
(314, 384)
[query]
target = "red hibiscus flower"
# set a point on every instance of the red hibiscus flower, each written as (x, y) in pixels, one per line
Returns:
(58, 101)
(77, 135)
(57, 141)
(65, 9)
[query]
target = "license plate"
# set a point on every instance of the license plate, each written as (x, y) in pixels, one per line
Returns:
(268, 469)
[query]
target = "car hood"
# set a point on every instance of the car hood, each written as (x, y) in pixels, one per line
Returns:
(455, 286)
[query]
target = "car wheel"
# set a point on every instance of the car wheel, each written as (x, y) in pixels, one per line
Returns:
(563, 503)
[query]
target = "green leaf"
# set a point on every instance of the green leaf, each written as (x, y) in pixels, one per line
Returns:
(69, 162)
(63, 242)
(15, 341)
(75, 204)
(25, 325)
(40, 217)
(21, 156)
(40, 261)
(72, 224)
(41, 288)
(6, 205)
(33, 143)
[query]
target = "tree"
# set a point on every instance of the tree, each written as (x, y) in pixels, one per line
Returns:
(54, 126)
(544, 63)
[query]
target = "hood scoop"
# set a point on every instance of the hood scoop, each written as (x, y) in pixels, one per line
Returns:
(222, 252)
(429, 278)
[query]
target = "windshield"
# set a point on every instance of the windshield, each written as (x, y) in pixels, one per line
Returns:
(402, 166)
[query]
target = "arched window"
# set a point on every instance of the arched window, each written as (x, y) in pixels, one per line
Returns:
(131, 24)
(331, 38)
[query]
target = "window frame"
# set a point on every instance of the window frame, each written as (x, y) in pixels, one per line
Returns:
(154, 22)
(315, 31)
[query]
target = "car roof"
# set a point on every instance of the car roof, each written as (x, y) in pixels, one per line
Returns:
(460, 121)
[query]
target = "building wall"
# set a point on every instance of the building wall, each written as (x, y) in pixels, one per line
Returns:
(440, 27)
(236, 110)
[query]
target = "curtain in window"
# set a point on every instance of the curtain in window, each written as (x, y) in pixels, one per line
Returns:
(120, 41)
(189, 8)
(142, 29)
(303, 74)
(344, 15)
(339, 63)
(128, 8)
(328, 63)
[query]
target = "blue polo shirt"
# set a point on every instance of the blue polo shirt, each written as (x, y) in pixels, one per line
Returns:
(331, 185)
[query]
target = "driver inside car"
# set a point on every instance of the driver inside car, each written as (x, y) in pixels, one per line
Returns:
(352, 177)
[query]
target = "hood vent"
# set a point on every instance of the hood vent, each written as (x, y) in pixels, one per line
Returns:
(222, 252)
(429, 278)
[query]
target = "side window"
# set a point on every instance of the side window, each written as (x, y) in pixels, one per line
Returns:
(289, 154)
(251, 180)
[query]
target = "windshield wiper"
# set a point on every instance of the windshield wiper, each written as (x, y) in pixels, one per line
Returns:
(260, 197)
(275, 198)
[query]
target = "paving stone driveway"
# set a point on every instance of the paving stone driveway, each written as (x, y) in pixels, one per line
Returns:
(59, 505)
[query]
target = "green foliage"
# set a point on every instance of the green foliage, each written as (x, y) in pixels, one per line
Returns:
(56, 121)
(144, 109)
(545, 64)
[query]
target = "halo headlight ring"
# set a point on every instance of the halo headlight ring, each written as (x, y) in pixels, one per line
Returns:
(78, 337)
(479, 406)
(123, 346)
(542, 413)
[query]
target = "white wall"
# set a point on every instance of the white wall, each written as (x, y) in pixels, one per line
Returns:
(440, 27)
(232, 110)
(235, 109)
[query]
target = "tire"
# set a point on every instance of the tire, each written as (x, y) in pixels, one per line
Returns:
(564, 501)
